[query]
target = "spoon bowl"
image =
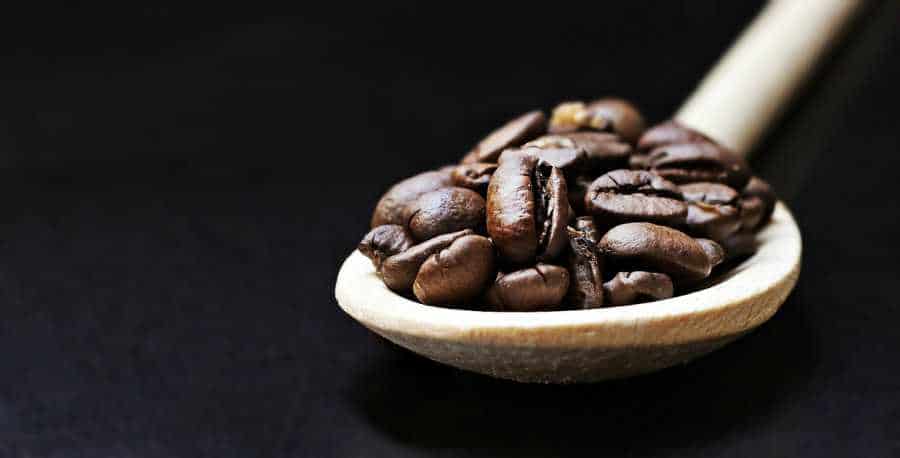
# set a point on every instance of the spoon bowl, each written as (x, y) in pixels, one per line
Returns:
(584, 345)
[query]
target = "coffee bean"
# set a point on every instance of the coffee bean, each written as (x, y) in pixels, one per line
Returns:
(585, 266)
(739, 244)
(668, 133)
(385, 241)
(551, 213)
(684, 155)
(445, 210)
(713, 210)
(617, 116)
(456, 274)
(392, 208)
(399, 271)
(714, 252)
(570, 160)
(604, 115)
(646, 246)
(759, 201)
(635, 195)
(527, 208)
(698, 162)
(541, 287)
(635, 287)
(514, 133)
(751, 211)
(566, 117)
(474, 176)
(603, 151)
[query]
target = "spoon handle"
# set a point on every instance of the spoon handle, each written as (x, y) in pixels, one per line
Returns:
(753, 82)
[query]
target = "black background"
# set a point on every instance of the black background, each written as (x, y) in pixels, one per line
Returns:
(181, 185)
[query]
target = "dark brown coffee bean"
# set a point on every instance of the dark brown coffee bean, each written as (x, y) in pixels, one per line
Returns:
(739, 244)
(603, 151)
(392, 208)
(514, 133)
(475, 176)
(585, 266)
(551, 213)
(714, 252)
(445, 210)
(636, 287)
(399, 271)
(751, 209)
(385, 241)
(713, 210)
(662, 249)
(510, 208)
(617, 116)
(698, 162)
(570, 161)
(668, 133)
(635, 195)
(566, 117)
(757, 203)
(541, 287)
(457, 273)
(527, 208)
(665, 134)
(604, 115)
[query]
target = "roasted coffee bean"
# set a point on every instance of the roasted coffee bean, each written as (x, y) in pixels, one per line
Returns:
(570, 160)
(637, 246)
(474, 176)
(385, 241)
(668, 133)
(392, 208)
(713, 210)
(714, 252)
(757, 203)
(585, 266)
(457, 273)
(605, 115)
(551, 212)
(445, 210)
(527, 208)
(699, 162)
(603, 151)
(514, 133)
(617, 116)
(399, 271)
(635, 287)
(739, 244)
(751, 209)
(623, 196)
(541, 287)
(566, 117)
(510, 208)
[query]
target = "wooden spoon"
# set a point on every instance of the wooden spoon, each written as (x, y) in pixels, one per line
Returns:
(734, 104)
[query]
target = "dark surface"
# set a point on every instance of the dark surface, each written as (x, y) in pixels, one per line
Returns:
(176, 215)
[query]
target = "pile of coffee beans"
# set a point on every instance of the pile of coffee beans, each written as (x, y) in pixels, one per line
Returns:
(584, 210)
